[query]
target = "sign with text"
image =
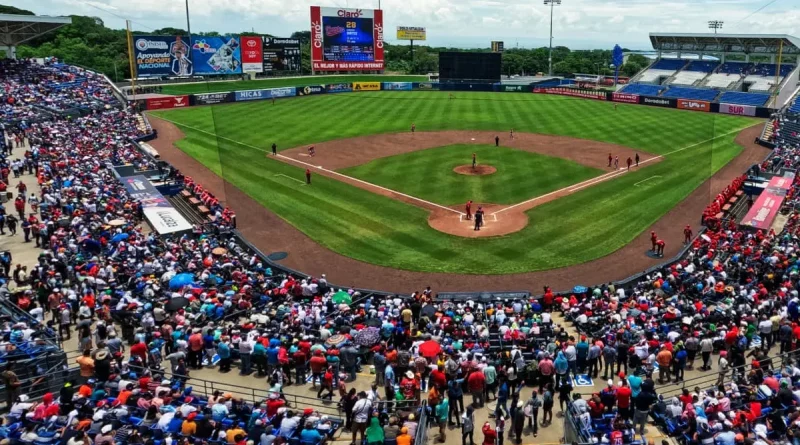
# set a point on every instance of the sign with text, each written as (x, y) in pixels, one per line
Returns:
(157, 209)
(411, 33)
(658, 101)
(346, 39)
(366, 86)
(157, 56)
(339, 87)
(308, 90)
(764, 210)
(216, 55)
(398, 86)
(271, 93)
(574, 92)
(252, 54)
(281, 54)
(740, 110)
(625, 98)
(694, 105)
(212, 98)
(163, 103)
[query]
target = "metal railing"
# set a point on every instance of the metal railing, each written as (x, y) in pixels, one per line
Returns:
(421, 435)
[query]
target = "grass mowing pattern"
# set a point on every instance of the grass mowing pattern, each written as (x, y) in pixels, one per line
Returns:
(428, 174)
(241, 85)
(583, 226)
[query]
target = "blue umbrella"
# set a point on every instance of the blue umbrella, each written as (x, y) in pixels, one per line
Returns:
(181, 280)
(119, 237)
(579, 289)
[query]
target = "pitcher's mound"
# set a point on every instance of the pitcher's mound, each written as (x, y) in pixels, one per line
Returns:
(479, 170)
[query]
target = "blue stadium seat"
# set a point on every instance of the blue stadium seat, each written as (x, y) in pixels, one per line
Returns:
(735, 97)
(795, 108)
(669, 64)
(702, 66)
(735, 67)
(642, 89)
(691, 93)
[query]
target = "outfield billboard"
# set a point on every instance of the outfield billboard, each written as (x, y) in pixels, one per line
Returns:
(161, 56)
(625, 98)
(308, 90)
(658, 101)
(411, 33)
(281, 54)
(163, 103)
(216, 55)
(252, 54)
(346, 39)
(398, 86)
(211, 98)
(427, 85)
(694, 105)
(271, 93)
(366, 86)
(339, 87)
(573, 92)
(740, 110)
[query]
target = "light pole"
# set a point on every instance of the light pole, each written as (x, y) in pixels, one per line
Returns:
(552, 3)
(188, 25)
(715, 25)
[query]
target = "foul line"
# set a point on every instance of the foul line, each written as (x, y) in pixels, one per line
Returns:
(645, 180)
(601, 178)
(319, 167)
(293, 179)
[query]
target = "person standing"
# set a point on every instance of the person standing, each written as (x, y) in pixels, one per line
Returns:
(687, 234)
(274, 149)
(664, 360)
(26, 230)
(308, 176)
(616, 162)
(456, 400)
(476, 382)
(512, 133)
(532, 408)
(610, 159)
(637, 159)
(442, 412)
(478, 218)
(468, 426)
(413, 128)
(706, 347)
(361, 412)
(519, 421)
(653, 239)
(469, 210)
(474, 161)
(629, 162)
(497, 141)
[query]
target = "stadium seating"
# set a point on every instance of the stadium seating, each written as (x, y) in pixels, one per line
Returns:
(691, 93)
(734, 68)
(759, 83)
(668, 64)
(642, 89)
(688, 77)
(722, 80)
(795, 107)
(701, 66)
(735, 97)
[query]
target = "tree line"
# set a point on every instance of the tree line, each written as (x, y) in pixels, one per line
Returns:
(88, 43)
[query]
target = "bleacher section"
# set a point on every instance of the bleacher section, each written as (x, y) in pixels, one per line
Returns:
(690, 93)
(661, 68)
(759, 83)
(795, 107)
(668, 64)
(701, 66)
(735, 68)
(735, 97)
(722, 80)
(643, 89)
(688, 77)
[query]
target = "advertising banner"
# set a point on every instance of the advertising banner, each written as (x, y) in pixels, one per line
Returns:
(740, 110)
(216, 55)
(366, 86)
(211, 98)
(428, 85)
(694, 105)
(346, 39)
(281, 54)
(398, 86)
(514, 88)
(657, 101)
(308, 90)
(252, 54)
(780, 185)
(625, 98)
(157, 56)
(573, 92)
(265, 94)
(411, 33)
(163, 103)
(764, 210)
(158, 211)
(339, 87)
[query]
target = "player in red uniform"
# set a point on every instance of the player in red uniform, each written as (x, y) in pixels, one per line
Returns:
(687, 234)
(629, 162)
(308, 176)
(312, 151)
(469, 209)
(653, 239)
(610, 159)
(660, 247)
(413, 127)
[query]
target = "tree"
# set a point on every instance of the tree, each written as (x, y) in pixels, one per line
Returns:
(630, 69)
(169, 31)
(303, 36)
(12, 10)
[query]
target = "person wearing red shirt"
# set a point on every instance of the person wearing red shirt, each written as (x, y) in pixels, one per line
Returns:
(196, 349)
(300, 366)
(273, 404)
(318, 365)
(624, 394)
(409, 386)
(438, 378)
(140, 350)
(653, 240)
(476, 383)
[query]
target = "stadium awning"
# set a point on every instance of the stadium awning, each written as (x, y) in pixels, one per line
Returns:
(767, 44)
(16, 29)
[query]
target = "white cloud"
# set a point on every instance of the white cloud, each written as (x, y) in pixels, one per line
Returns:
(576, 23)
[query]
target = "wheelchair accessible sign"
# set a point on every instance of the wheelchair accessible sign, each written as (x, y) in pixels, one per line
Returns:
(582, 380)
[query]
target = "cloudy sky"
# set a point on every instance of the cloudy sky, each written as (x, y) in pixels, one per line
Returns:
(580, 24)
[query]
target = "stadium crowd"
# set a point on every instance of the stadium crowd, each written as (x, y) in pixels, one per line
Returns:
(202, 300)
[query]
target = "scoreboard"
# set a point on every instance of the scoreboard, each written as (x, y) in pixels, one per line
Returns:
(346, 39)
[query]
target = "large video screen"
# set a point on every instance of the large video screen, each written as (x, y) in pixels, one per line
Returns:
(346, 39)
(281, 54)
(480, 67)
(161, 56)
(216, 55)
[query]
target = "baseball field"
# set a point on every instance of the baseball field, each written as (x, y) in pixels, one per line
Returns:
(382, 195)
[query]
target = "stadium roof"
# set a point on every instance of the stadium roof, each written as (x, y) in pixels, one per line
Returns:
(16, 29)
(726, 43)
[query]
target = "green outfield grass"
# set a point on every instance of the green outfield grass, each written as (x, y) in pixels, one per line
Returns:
(580, 227)
(241, 85)
(428, 174)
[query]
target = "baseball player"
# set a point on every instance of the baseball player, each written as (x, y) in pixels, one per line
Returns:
(497, 141)
(308, 176)
(468, 208)
(653, 239)
(687, 234)
(660, 247)
(637, 159)
(413, 127)
(629, 162)
(610, 159)
(512, 133)
(274, 149)
(616, 162)
(474, 161)
(312, 151)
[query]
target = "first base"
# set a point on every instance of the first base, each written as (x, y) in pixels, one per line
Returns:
(473, 139)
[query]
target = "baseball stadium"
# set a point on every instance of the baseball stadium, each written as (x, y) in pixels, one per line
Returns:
(248, 239)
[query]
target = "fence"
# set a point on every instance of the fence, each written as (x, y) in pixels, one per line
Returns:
(421, 436)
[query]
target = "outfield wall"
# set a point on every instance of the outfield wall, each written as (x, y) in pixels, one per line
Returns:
(349, 87)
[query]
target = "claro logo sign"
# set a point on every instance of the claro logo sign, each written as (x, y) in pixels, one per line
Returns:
(316, 29)
(694, 105)
(345, 13)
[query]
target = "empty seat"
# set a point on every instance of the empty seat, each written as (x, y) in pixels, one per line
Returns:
(691, 93)
(642, 89)
(739, 98)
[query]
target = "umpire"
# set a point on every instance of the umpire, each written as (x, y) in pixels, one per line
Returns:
(478, 218)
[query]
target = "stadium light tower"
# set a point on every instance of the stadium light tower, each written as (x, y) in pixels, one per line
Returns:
(552, 3)
(715, 25)
(188, 24)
